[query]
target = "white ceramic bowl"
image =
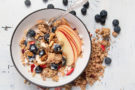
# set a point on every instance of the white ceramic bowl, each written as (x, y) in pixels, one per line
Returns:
(29, 21)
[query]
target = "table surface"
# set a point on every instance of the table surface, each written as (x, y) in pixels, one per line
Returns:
(120, 75)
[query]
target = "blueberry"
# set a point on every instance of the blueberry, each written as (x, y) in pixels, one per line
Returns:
(54, 29)
(25, 43)
(46, 37)
(108, 60)
(117, 29)
(45, 0)
(97, 18)
(84, 11)
(33, 48)
(41, 53)
(50, 6)
(31, 58)
(31, 33)
(57, 48)
(38, 69)
(115, 22)
(63, 61)
(102, 21)
(27, 3)
(54, 66)
(86, 5)
(65, 2)
(73, 12)
(103, 14)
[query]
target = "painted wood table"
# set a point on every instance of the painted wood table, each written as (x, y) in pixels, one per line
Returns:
(120, 75)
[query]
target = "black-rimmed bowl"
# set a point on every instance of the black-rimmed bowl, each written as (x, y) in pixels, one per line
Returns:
(28, 22)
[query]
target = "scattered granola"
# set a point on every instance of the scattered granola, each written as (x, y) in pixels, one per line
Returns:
(95, 69)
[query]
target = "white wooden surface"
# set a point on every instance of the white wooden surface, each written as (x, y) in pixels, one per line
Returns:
(119, 76)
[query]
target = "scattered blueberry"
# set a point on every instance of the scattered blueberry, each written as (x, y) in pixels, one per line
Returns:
(31, 33)
(31, 58)
(57, 48)
(73, 12)
(27, 3)
(84, 11)
(46, 37)
(38, 69)
(50, 6)
(97, 18)
(108, 60)
(86, 5)
(25, 43)
(63, 61)
(54, 29)
(103, 14)
(115, 22)
(117, 29)
(65, 2)
(102, 21)
(33, 48)
(41, 53)
(54, 66)
(45, 0)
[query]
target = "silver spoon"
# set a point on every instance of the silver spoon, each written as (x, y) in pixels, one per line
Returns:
(75, 5)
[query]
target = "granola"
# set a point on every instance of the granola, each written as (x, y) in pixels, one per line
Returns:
(45, 49)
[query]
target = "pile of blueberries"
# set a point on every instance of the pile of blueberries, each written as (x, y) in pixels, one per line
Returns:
(65, 3)
(101, 18)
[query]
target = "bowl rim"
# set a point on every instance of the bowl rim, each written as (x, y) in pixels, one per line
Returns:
(13, 58)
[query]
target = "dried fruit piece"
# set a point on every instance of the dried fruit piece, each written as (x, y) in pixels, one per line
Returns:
(103, 47)
(70, 71)
(43, 66)
(32, 67)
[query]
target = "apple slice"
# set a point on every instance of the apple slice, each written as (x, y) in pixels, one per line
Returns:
(67, 48)
(72, 36)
